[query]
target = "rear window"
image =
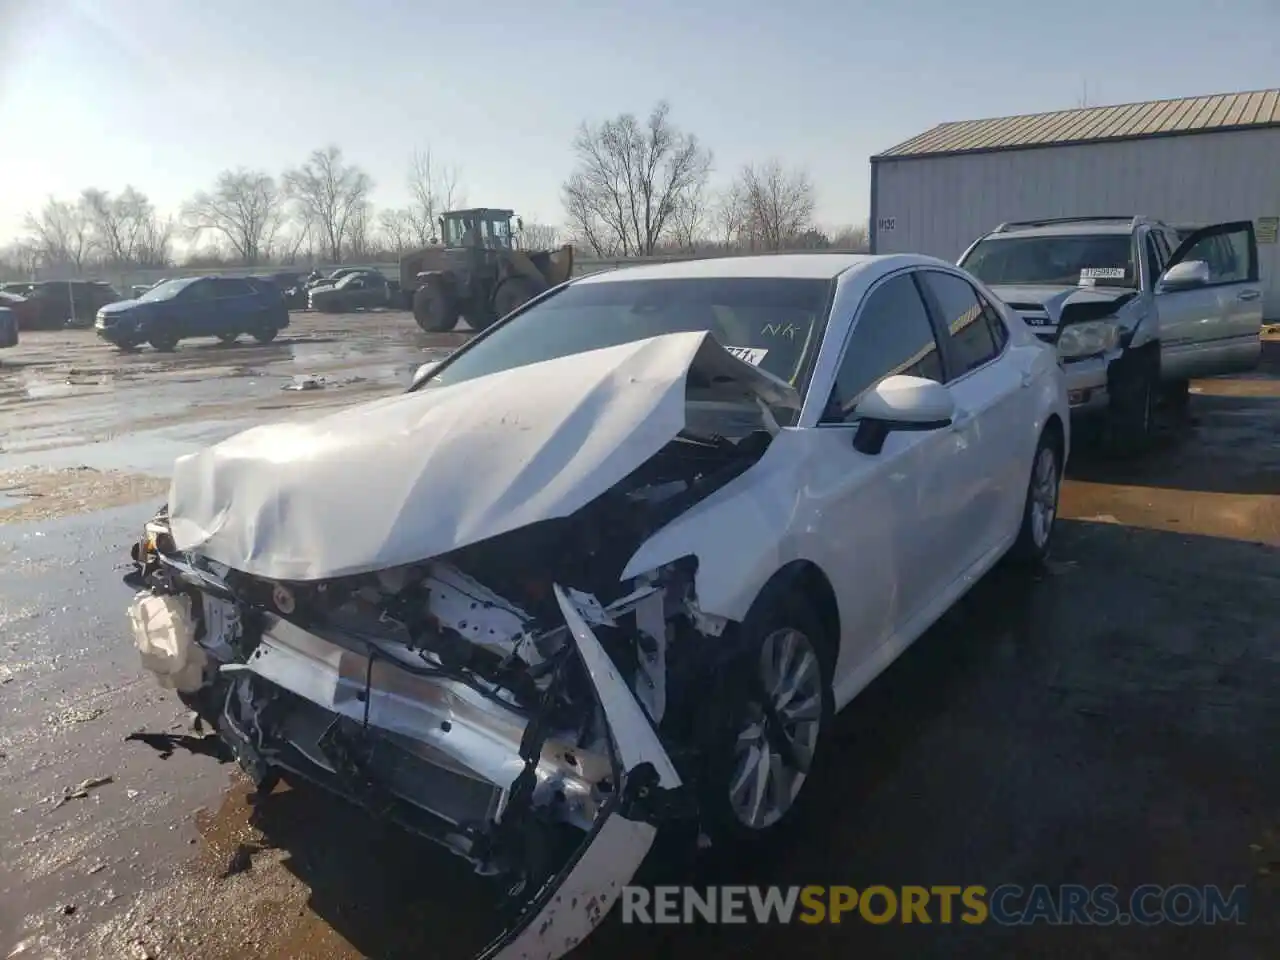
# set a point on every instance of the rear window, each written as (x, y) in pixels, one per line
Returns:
(773, 323)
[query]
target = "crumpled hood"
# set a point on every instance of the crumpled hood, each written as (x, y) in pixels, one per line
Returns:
(1053, 300)
(409, 477)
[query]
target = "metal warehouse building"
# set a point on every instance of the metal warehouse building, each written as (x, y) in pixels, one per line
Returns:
(1191, 161)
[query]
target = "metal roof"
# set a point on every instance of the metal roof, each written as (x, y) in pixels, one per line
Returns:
(1126, 121)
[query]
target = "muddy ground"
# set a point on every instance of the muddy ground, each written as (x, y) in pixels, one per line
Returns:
(1114, 721)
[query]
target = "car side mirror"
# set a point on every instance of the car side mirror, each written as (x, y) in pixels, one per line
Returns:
(423, 372)
(900, 403)
(1184, 276)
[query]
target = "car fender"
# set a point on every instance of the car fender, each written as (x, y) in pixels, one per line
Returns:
(739, 535)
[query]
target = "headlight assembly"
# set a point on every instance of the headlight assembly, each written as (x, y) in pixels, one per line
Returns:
(1088, 339)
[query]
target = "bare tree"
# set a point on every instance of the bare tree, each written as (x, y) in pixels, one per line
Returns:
(688, 220)
(360, 231)
(630, 180)
(329, 193)
(126, 228)
(539, 236)
(397, 229)
(61, 232)
(245, 208)
(779, 203)
(852, 237)
(729, 214)
(153, 246)
(433, 190)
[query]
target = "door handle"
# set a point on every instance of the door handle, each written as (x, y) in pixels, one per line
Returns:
(1248, 294)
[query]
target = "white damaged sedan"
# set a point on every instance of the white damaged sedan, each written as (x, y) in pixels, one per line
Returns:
(613, 564)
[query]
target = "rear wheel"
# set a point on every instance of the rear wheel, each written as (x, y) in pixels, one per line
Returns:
(513, 293)
(434, 308)
(1040, 512)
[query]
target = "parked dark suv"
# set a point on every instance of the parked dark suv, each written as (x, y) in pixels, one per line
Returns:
(222, 307)
(63, 302)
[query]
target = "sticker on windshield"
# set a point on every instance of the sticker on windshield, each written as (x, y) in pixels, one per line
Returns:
(752, 355)
(1102, 273)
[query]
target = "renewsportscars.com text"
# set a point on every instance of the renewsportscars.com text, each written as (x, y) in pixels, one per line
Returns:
(1006, 905)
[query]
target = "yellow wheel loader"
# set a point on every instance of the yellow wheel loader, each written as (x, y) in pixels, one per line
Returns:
(478, 271)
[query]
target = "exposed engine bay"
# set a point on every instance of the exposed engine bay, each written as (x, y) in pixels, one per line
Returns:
(513, 700)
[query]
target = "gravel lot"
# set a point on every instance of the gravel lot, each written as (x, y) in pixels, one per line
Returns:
(1113, 721)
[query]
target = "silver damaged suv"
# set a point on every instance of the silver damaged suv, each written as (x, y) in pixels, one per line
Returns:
(1137, 308)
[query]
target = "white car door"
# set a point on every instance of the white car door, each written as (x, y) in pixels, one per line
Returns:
(1211, 316)
(991, 393)
(884, 516)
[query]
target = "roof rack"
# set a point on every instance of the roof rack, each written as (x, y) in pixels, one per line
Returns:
(1050, 221)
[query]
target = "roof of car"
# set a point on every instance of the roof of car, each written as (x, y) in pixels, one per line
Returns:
(812, 266)
(1090, 228)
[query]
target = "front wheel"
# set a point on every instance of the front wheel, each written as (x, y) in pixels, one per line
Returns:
(434, 309)
(265, 334)
(773, 720)
(1134, 388)
(228, 337)
(1040, 511)
(164, 342)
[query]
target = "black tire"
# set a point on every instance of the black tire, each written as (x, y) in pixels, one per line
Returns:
(1035, 536)
(265, 334)
(228, 337)
(512, 293)
(1177, 395)
(1134, 387)
(736, 707)
(164, 342)
(434, 308)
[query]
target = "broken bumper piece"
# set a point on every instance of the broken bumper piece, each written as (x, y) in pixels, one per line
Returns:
(451, 762)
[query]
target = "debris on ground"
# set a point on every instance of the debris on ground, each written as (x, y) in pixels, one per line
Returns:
(74, 715)
(80, 791)
(209, 745)
(306, 382)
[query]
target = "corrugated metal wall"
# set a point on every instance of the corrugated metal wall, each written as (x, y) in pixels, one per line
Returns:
(939, 205)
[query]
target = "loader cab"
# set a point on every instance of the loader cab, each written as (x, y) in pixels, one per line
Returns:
(482, 227)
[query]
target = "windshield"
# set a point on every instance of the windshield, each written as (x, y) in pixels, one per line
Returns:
(168, 289)
(1105, 260)
(774, 323)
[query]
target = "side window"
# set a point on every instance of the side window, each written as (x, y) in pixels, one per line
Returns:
(972, 340)
(999, 332)
(234, 287)
(1154, 258)
(891, 335)
(1228, 255)
(200, 290)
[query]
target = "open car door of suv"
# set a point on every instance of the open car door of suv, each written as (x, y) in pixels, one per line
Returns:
(1209, 300)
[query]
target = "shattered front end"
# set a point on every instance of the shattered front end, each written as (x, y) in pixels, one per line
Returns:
(511, 697)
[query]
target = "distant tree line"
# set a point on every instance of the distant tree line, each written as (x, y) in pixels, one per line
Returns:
(638, 188)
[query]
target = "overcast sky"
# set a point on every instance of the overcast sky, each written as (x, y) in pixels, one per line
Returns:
(163, 94)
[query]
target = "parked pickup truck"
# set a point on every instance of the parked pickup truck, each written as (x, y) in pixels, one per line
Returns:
(1136, 307)
(222, 307)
